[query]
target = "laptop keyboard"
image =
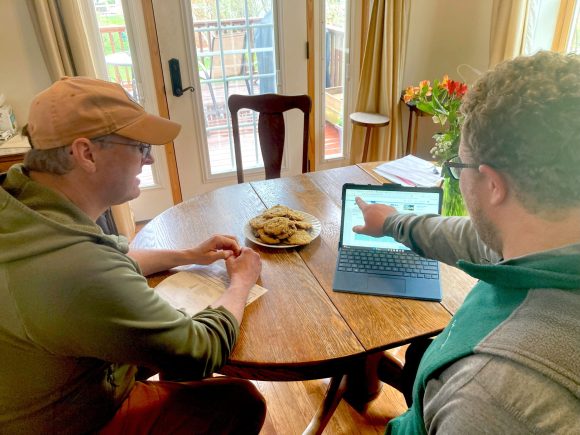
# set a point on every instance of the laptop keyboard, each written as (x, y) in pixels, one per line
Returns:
(386, 262)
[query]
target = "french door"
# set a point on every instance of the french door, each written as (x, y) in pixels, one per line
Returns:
(337, 40)
(226, 47)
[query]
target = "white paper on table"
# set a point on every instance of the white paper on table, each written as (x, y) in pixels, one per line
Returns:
(192, 290)
(410, 171)
(395, 179)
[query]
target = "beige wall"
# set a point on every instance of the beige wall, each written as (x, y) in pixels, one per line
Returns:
(23, 72)
(443, 35)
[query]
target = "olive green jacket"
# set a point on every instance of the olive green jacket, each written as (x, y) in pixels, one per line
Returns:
(77, 318)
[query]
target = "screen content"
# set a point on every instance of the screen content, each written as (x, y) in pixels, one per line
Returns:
(404, 202)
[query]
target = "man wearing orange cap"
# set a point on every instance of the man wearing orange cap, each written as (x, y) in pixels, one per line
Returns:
(77, 318)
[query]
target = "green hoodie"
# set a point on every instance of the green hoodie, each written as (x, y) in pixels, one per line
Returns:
(505, 315)
(77, 317)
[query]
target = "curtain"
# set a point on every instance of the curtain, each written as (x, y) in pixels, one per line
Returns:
(381, 79)
(63, 41)
(508, 25)
(61, 34)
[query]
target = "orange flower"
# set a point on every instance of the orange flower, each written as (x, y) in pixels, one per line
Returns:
(424, 88)
(442, 101)
(410, 93)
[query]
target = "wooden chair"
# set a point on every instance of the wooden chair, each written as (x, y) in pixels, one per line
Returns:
(271, 128)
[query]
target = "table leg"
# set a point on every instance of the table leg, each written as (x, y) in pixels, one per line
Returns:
(414, 144)
(358, 387)
(331, 400)
(367, 144)
(362, 382)
(409, 129)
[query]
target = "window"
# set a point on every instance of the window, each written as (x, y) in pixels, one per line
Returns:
(114, 46)
(234, 42)
(574, 41)
(335, 64)
(552, 25)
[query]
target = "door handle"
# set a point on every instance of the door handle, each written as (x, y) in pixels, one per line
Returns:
(175, 74)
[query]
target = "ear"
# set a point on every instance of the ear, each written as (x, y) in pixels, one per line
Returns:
(82, 151)
(496, 184)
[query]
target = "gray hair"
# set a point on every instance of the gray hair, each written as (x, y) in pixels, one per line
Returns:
(523, 118)
(56, 161)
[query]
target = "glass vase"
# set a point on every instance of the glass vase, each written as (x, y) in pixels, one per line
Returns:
(453, 204)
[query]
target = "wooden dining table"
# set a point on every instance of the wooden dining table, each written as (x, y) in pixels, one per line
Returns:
(301, 329)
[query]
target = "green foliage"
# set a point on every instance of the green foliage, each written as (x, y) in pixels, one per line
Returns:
(453, 204)
(207, 9)
(111, 20)
(442, 101)
(336, 13)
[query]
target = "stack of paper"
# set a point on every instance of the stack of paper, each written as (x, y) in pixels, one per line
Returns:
(410, 171)
(193, 290)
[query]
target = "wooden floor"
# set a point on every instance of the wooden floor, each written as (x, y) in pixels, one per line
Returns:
(291, 406)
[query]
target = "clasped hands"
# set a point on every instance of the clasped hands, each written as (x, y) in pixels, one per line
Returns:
(243, 264)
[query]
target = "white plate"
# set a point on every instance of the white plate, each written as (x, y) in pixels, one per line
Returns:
(314, 232)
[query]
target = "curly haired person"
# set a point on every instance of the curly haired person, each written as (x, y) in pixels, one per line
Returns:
(509, 360)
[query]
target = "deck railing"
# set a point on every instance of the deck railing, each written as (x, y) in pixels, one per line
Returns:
(119, 68)
(115, 37)
(334, 56)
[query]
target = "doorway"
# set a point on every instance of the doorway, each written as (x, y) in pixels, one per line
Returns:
(226, 47)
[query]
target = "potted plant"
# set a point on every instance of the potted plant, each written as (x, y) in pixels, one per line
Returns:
(442, 102)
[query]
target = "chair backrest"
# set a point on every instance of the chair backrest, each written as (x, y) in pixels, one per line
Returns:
(271, 128)
(234, 46)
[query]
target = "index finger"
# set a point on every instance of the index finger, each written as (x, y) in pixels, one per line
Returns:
(228, 242)
(360, 202)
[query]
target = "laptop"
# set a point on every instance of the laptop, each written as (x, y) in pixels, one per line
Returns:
(380, 265)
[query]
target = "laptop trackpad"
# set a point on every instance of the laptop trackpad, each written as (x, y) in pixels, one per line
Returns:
(386, 285)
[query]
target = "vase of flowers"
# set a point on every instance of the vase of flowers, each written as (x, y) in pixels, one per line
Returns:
(442, 100)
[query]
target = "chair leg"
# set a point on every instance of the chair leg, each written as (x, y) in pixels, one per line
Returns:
(215, 108)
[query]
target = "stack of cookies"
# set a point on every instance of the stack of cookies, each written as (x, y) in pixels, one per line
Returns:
(281, 225)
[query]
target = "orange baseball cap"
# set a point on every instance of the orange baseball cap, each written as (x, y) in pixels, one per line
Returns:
(75, 107)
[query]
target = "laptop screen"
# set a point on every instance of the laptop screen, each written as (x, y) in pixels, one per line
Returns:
(405, 200)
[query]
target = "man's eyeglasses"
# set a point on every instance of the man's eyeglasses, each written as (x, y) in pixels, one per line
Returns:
(144, 148)
(454, 165)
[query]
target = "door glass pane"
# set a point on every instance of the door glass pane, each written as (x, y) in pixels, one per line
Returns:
(118, 60)
(574, 44)
(334, 67)
(234, 41)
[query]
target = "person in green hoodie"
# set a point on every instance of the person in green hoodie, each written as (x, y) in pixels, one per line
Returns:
(509, 360)
(79, 324)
